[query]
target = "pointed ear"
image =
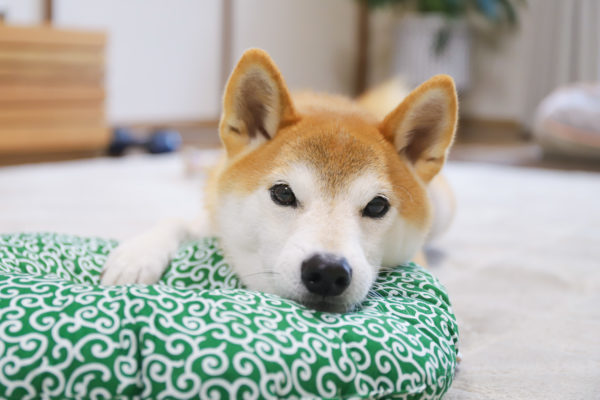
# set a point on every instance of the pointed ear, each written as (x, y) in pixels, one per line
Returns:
(422, 127)
(256, 102)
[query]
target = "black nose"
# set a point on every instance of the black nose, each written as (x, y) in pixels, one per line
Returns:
(326, 275)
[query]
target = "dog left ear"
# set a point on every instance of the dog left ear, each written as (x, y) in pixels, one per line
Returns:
(422, 127)
(256, 104)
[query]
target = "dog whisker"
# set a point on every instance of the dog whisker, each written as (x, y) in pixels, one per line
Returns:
(297, 245)
(269, 273)
(372, 295)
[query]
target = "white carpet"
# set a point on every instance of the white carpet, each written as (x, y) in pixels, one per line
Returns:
(521, 262)
(108, 197)
(522, 266)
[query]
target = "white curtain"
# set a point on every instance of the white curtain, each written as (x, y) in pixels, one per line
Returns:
(562, 46)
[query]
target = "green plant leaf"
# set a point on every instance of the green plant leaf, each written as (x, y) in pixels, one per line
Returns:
(497, 12)
(509, 11)
(441, 40)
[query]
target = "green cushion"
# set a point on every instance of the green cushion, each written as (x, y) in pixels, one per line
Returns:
(198, 333)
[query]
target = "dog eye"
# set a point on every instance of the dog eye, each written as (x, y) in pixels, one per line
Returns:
(376, 208)
(283, 195)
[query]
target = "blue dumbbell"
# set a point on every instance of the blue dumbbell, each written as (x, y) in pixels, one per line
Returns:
(160, 141)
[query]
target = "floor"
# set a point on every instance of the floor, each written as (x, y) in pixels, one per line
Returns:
(520, 260)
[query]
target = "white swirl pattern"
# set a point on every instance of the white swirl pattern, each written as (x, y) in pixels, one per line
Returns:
(199, 334)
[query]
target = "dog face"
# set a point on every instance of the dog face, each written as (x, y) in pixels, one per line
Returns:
(315, 197)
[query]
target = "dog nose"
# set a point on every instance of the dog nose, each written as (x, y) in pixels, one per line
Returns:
(326, 275)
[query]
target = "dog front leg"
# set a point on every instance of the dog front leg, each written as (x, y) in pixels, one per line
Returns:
(144, 258)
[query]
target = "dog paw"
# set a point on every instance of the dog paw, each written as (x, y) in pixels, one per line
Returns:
(139, 260)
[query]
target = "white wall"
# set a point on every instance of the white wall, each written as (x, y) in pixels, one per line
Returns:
(163, 55)
(312, 41)
(497, 80)
(22, 11)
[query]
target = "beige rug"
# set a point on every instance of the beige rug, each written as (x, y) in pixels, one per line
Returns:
(522, 265)
(521, 262)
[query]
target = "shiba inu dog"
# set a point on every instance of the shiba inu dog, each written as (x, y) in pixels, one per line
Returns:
(314, 195)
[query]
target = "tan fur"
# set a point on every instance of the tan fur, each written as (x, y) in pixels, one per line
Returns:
(420, 113)
(267, 84)
(338, 137)
(383, 98)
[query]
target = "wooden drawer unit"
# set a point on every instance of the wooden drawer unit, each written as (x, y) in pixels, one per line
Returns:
(51, 91)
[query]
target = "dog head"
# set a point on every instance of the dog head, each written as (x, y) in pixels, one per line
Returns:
(316, 196)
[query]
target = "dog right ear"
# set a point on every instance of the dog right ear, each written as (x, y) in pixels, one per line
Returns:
(422, 127)
(256, 103)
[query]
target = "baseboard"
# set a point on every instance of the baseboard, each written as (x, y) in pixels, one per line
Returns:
(17, 159)
(197, 133)
(484, 130)
(179, 125)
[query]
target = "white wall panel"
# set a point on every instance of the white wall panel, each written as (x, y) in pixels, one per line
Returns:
(312, 41)
(163, 55)
(22, 11)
